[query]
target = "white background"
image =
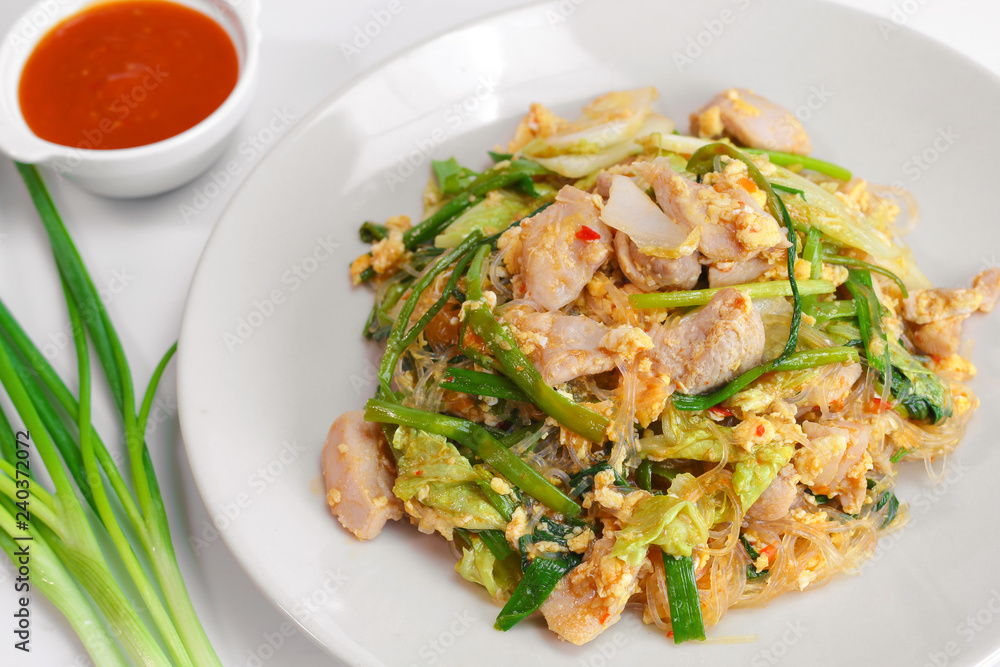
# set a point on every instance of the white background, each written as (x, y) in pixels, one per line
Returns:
(143, 254)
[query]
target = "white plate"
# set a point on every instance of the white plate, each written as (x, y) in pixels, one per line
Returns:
(271, 350)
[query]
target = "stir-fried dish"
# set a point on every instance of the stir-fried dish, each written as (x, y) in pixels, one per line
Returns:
(626, 367)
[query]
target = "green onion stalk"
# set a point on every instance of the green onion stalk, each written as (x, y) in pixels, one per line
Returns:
(67, 536)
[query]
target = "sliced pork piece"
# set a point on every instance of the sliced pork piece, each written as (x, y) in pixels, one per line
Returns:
(938, 314)
(940, 338)
(726, 274)
(987, 284)
(752, 121)
(835, 461)
(359, 472)
(732, 224)
(562, 247)
(562, 347)
(591, 597)
(778, 497)
(713, 346)
(655, 273)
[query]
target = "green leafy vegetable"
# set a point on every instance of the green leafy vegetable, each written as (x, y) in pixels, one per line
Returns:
(484, 445)
(831, 257)
(916, 388)
(494, 214)
(755, 473)
(675, 525)
(480, 565)
(452, 177)
(432, 472)
(506, 174)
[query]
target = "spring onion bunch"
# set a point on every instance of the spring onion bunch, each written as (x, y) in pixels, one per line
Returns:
(100, 545)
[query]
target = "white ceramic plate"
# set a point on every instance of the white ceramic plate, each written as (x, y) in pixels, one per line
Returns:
(271, 350)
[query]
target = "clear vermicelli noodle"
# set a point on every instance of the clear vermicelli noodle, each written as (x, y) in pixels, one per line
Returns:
(632, 371)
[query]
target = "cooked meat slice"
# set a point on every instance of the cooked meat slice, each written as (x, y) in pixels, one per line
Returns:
(752, 120)
(562, 247)
(835, 461)
(940, 338)
(938, 313)
(777, 498)
(562, 347)
(987, 284)
(655, 273)
(591, 597)
(713, 346)
(359, 473)
(732, 224)
(726, 274)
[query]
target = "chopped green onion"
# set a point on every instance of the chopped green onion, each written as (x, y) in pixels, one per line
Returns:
(699, 297)
(789, 190)
(850, 262)
(811, 163)
(644, 475)
(496, 542)
(482, 384)
(399, 336)
(535, 587)
(682, 593)
(372, 231)
(899, 454)
(834, 310)
(753, 554)
(812, 253)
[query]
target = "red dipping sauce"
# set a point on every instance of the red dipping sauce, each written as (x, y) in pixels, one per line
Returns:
(127, 73)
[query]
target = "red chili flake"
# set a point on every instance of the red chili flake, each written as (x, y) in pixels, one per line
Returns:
(760, 430)
(419, 473)
(878, 405)
(769, 551)
(585, 233)
(721, 411)
(605, 617)
(670, 633)
(747, 185)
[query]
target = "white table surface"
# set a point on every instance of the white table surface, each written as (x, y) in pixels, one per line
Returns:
(143, 254)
